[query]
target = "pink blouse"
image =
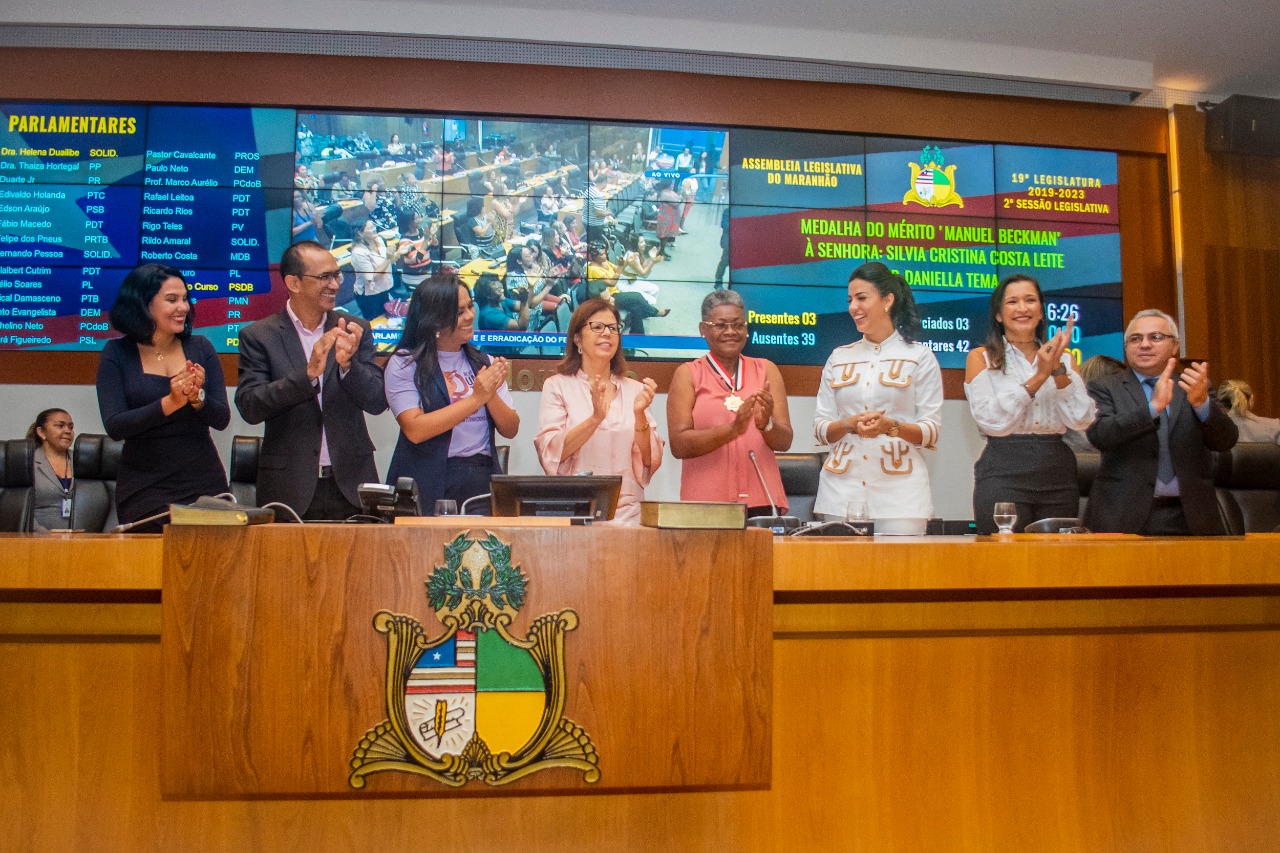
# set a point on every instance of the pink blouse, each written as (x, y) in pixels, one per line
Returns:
(727, 472)
(566, 402)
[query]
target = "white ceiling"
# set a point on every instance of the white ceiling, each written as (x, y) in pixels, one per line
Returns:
(1228, 47)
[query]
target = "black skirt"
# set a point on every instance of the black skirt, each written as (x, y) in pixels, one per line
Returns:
(1033, 469)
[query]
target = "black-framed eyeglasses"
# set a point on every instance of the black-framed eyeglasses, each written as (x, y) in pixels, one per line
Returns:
(601, 328)
(1154, 337)
(331, 277)
(722, 327)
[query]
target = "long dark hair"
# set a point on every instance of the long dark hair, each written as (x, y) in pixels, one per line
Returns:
(995, 337)
(905, 316)
(433, 311)
(572, 361)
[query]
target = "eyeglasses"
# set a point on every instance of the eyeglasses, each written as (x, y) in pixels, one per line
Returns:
(1154, 337)
(331, 277)
(721, 327)
(601, 328)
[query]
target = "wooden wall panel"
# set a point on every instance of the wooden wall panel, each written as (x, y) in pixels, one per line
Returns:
(1146, 243)
(1230, 230)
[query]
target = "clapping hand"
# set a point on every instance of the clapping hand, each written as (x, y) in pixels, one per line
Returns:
(320, 353)
(183, 387)
(1049, 356)
(490, 378)
(647, 391)
(744, 415)
(1162, 394)
(346, 341)
(1195, 381)
(762, 407)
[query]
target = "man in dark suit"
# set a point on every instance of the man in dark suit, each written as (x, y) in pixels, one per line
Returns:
(1155, 432)
(309, 373)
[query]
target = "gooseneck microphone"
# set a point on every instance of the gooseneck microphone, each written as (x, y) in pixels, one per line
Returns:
(780, 524)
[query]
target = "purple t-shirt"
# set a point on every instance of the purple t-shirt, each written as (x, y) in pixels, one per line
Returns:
(469, 437)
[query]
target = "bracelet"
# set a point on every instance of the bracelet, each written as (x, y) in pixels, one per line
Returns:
(644, 428)
(1060, 370)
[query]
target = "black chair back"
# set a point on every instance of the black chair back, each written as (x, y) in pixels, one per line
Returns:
(244, 468)
(91, 502)
(800, 474)
(16, 499)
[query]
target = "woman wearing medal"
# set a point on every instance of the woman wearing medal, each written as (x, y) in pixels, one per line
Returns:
(723, 407)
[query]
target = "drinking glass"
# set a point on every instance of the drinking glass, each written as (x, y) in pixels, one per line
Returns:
(1005, 515)
(856, 510)
(446, 507)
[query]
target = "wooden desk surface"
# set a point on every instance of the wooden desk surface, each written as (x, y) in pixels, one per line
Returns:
(1115, 714)
(886, 564)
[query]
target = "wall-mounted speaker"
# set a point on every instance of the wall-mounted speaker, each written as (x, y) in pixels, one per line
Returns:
(1243, 124)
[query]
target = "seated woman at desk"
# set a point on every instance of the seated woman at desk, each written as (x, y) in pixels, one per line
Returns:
(372, 263)
(422, 252)
(447, 396)
(549, 204)
(1236, 397)
(52, 478)
(395, 147)
(593, 417)
(379, 206)
(504, 156)
(636, 264)
(160, 389)
(308, 221)
(723, 407)
(602, 280)
(477, 230)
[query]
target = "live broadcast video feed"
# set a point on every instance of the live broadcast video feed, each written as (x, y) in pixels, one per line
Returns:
(89, 191)
(952, 218)
(535, 216)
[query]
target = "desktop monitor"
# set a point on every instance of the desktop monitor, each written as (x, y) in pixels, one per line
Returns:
(575, 496)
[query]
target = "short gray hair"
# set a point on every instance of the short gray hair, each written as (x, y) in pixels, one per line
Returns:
(1153, 312)
(716, 298)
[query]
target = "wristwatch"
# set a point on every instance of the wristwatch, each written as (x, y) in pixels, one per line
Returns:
(200, 396)
(893, 430)
(1060, 370)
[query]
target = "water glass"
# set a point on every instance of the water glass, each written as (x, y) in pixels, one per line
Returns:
(1005, 515)
(446, 507)
(856, 510)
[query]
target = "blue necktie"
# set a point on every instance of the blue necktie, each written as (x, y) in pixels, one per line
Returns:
(1164, 467)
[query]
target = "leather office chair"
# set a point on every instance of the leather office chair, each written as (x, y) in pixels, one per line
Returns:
(16, 499)
(91, 502)
(1248, 486)
(1051, 525)
(244, 468)
(800, 473)
(1087, 462)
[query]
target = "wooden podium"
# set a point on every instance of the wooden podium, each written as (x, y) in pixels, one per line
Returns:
(276, 679)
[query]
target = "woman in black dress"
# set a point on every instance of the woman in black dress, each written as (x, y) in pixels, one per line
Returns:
(160, 389)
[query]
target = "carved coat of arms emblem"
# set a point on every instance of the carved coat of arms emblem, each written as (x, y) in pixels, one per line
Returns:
(475, 702)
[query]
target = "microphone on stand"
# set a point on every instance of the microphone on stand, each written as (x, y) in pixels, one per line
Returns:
(779, 524)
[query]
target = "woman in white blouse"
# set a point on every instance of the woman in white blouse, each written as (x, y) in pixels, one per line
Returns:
(1024, 392)
(879, 405)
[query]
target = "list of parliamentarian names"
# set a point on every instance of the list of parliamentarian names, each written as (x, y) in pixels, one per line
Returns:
(89, 192)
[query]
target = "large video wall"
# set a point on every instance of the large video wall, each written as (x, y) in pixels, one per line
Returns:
(88, 191)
